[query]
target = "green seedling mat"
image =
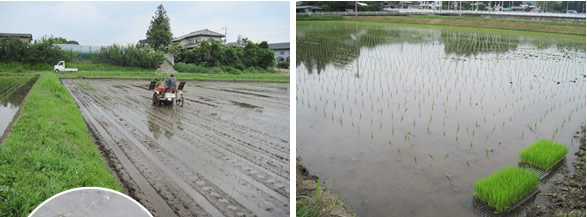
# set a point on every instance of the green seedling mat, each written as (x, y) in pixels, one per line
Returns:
(483, 210)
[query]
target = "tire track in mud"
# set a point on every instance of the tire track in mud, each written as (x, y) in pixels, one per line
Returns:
(196, 161)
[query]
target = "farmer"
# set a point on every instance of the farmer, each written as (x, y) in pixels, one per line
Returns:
(169, 84)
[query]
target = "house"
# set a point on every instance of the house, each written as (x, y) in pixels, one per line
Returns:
(281, 51)
(24, 37)
(431, 5)
(194, 39)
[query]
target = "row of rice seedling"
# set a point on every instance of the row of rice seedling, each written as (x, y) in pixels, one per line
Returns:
(9, 84)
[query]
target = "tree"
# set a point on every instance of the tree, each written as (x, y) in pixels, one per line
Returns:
(159, 32)
(264, 45)
(215, 53)
(175, 49)
(72, 42)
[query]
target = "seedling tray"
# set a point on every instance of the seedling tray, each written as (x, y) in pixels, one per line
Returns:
(541, 173)
(483, 210)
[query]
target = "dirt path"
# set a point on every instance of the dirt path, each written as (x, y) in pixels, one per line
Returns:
(225, 153)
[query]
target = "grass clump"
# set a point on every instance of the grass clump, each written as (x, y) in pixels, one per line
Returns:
(543, 154)
(505, 187)
(48, 151)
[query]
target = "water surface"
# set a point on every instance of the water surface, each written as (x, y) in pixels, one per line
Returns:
(386, 114)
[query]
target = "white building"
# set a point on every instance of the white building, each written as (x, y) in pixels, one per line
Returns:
(281, 51)
(194, 39)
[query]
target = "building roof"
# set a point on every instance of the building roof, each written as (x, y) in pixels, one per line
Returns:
(23, 35)
(279, 46)
(204, 32)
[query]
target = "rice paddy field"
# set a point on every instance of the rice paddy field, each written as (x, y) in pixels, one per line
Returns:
(401, 120)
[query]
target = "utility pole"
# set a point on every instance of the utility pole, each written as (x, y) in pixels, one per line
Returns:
(225, 33)
(356, 12)
(567, 7)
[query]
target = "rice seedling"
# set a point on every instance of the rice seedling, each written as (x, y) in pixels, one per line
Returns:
(543, 154)
(505, 187)
(448, 176)
(431, 157)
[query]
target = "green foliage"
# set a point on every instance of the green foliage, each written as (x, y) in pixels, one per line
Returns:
(202, 68)
(20, 67)
(543, 154)
(284, 64)
(130, 55)
(159, 32)
(216, 55)
(175, 49)
(42, 51)
(48, 151)
(305, 17)
(505, 187)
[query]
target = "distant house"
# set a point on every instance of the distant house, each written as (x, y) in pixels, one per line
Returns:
(24, 37)
(281, 51)
(194, 39)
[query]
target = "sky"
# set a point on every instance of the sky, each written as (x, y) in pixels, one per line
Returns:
(105, 23)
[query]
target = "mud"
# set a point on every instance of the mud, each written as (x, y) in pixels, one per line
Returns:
(208, 158)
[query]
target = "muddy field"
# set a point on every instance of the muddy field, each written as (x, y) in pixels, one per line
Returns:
(225, 153)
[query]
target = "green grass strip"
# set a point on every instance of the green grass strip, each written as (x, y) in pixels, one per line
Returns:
(48, 151)
(543, 154)
(505, 187)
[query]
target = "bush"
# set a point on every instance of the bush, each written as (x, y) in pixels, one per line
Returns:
(193, 68)
(543, 154)
(284, 64)
(216, 55)
(38, 52)
(130, 55)
(505, 187)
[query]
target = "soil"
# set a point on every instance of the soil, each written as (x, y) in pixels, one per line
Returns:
(211, 157)
(567, 196)
(331, 205)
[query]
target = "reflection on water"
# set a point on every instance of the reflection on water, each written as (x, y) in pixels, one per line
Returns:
(10, 103)
(385, 113)
(332, 42)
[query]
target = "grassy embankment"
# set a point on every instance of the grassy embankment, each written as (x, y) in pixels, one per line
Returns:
(506, 24)
(89, 69)
(48, 151)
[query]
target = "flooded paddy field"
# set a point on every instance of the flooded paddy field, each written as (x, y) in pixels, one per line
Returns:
(13, 91)
(224, 153)
(401, 121)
